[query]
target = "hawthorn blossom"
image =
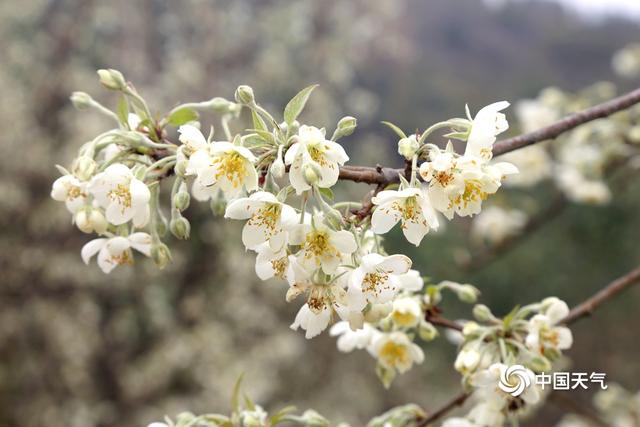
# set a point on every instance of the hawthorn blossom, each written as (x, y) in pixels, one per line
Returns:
(271, 263)
(411, 206)
(123, 196)
(349, 339)
(220, 165)
(411, 281)
(486, 125)
(396, 351)
(460, 184)
(267, 219)
(544, 330)
(313, 152)
(71, 191)
(376, 281)
(321, 246)
(407, 312)
(116, 251)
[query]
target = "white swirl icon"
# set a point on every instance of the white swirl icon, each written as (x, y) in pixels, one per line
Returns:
(514, 380)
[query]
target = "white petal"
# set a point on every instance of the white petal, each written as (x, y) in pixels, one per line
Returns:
(384, 217)
(141, 242)
(91, 248)
(344, 241)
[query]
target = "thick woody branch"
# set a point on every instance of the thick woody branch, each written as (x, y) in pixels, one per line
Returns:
(387, 176)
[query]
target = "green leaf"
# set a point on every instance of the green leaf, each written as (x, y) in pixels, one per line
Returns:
(235, 396)
(282, 413)
(248, 403)
(123, 110)
(326, 193)
(258, 123)
(296, 105)
(265, 135)
(396, 129)
(182, 116)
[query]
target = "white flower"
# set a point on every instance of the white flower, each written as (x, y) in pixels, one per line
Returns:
(123, 196)
(313, 323)
(544, 331)
(313, 150)
(459, 185)
(349, 339)
(396, 351)
(270, 263)
(116, 251)
(486, 125)
(534, 114)
(411, 206)
(408, 146)
(267, 219)
(407, 312)
(157, 424)
(487, 387)
(219, 165)
(322, 247)
(580, 189)
(411, 281)
(495, 224)
(70, 190)
(458, 422)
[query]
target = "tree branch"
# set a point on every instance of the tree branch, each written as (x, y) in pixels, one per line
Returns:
(386, 176)
(449, 406)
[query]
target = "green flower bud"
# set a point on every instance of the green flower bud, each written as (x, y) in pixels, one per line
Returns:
(84, 167)
(345, 127)
(408, 146)
(112, 79)
(311, 173)
(160, 254)
(181, 200)
(540, 364)
(482, 313)
(427, 331)
(221, 105)
(244, 95)
(81, 100)
(180, 227)
(467, 293)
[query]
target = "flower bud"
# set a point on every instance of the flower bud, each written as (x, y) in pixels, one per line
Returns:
(160, 254)
(82, 221)
(540, 364)
(311, 173)
(218, 205)
(81, 100)
(277, 168)
(634, 134)
(112, 79)
(482, 313)
(408, 146)
(427, 331)
(467, 293)
(99, 222)
(180, 227)
(345, 127)
(221, 105)
(470, 328)
(311, 418)
(181, 199)
(244, 95)
(84, 167)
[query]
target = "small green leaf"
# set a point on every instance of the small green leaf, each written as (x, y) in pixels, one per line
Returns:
(182, 116)
(282, 413)
(123, 110)
(396, 129)
(326, 193)
(235, 396)
(296, 105)
(249, 403)
(258, 123)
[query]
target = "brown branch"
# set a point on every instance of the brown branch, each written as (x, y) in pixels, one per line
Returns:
(449, 406)
(608, 292)
(388, 176)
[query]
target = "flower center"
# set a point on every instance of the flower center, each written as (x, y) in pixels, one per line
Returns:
(267, 218)
(443, 178)
(317, 244)
(394, 354)
(121, 195)
(472, 193)
(317, 154)
(279, 266)
(74, 192)
(122, 258)
(403, 318)
(374, 283)
(231, 166)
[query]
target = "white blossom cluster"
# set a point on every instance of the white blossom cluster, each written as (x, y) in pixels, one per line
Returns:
(277, 177)
(532, 337)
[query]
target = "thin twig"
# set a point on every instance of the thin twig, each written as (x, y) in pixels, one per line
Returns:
(449, 406)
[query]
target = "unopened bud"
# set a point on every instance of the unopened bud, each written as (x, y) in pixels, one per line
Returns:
(540, 364)
(221, 105)
(112, 79)
(345, 127)
(467, 293)
(408, 146)
(84, 167)
(161, 255)
(244, 95)
(470, 329)
(277, 168)
(81, 100)
(311, 173)
(427, 331)
(180, 227)
(218, 206)
(181, 199)
(482, 313)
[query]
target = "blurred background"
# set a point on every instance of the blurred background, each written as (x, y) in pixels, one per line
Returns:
(82, 349)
